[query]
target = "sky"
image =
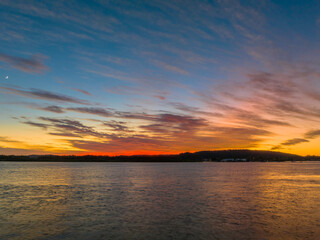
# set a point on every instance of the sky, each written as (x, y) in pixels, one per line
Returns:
(159, 77)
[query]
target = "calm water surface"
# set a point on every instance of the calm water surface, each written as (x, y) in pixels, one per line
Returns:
(159, 200)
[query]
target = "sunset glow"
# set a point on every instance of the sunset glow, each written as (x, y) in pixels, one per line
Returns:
(159, 77)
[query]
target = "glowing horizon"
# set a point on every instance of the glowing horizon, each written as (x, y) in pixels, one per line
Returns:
(159, 77)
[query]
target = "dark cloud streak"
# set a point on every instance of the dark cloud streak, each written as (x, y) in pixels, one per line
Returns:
(44, 95)
(91, 110)
(30, 65)
(312, 134)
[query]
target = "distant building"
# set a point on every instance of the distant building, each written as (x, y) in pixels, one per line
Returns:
(234, 160)
(227, 160)
(207, 160)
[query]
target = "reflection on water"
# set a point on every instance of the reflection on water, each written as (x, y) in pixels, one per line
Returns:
(159, 200)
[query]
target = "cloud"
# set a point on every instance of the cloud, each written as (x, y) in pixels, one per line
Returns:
(294, 141)
(166, 132)
(116, 126)
(65, 134)
(166, 120)
(274, 100)
(44, 95)
(67, 127)
(194, 110)
(171, 125)
(8, 140)
(136, 90)
(252, 119)
(170, 67)
(91, 110)
(239, 132)
(182, 122)
(122, 144)
(290, 142)
(36, 124)
(30, 65)
(312, 134)
(135, 115)
(160, 97)
(270, 83)
(308, 135)
(82, 91)
(52, 108)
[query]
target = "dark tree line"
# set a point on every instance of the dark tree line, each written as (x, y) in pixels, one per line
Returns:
(215, 156)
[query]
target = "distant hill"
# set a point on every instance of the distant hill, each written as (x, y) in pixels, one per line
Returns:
(216, 156)
(248, 155)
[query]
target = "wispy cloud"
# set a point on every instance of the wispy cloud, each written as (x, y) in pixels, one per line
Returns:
(67, 127)
(30, 65)
(92, 110)
(8, 140)
(117, 126)
(82, 91)
(52, 108)
(194, 110)
(171, 67)
(294, 141)
(312, 134)
(290, 142)
(132, 145)
(48, 108)
(160, 97)
(36, 124)
(44, 95)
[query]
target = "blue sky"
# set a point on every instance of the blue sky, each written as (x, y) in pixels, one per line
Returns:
(158, 76)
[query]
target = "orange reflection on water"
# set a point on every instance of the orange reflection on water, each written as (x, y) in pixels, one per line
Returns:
(174, 200)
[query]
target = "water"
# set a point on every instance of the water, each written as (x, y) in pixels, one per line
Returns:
(159, 200)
